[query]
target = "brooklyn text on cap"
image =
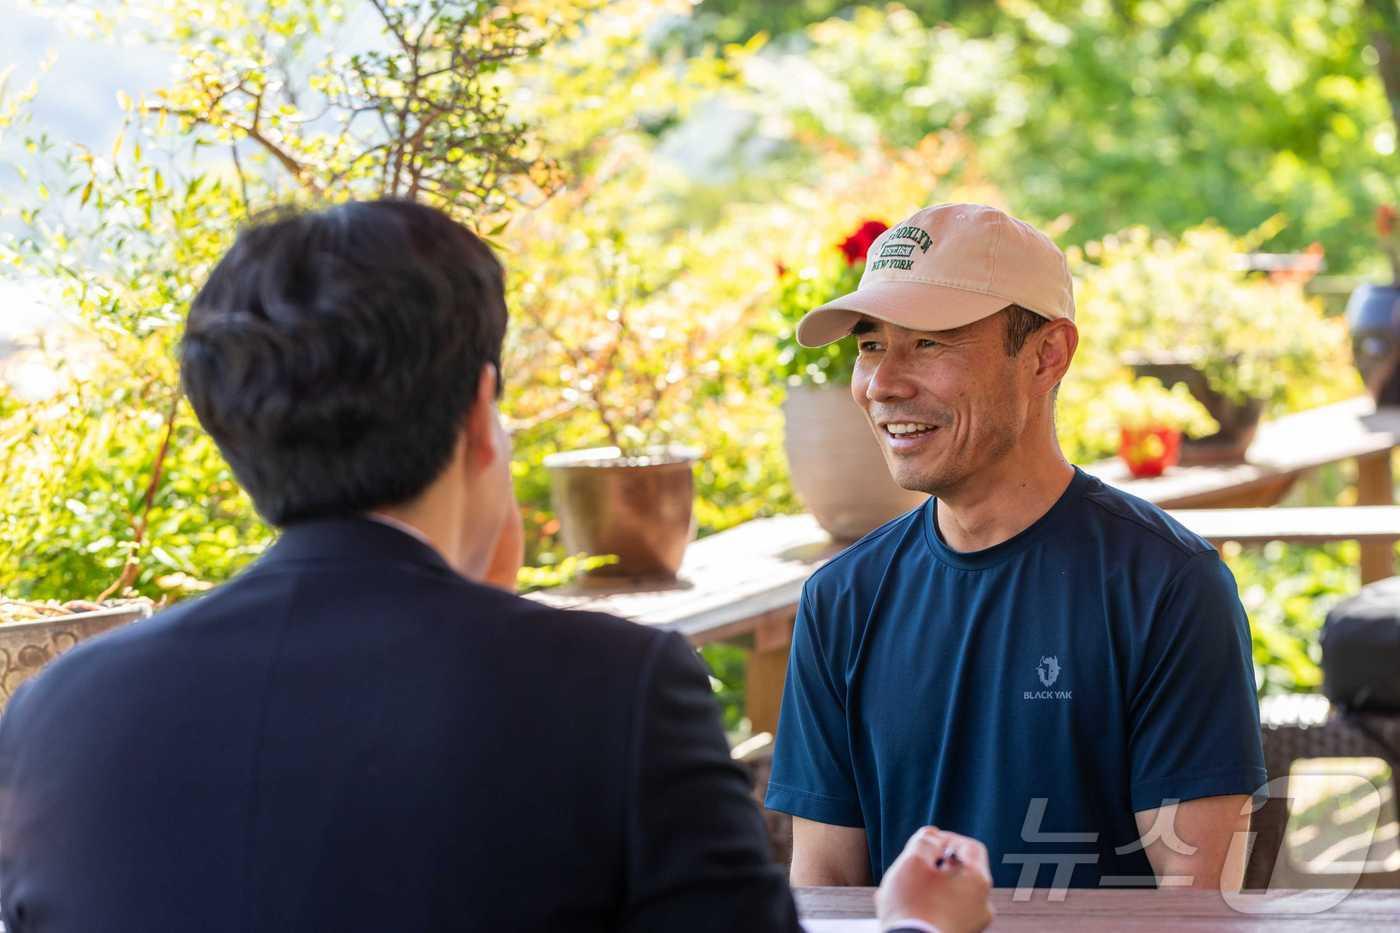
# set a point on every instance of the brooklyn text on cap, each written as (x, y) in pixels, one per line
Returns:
(947, 266)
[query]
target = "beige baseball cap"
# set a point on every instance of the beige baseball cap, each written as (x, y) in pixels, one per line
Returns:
(947, 266)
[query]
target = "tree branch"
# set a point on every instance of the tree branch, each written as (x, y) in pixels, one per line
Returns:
(139, 525)
(242, 179)
(293, 167)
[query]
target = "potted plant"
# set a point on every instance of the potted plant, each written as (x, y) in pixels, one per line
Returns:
(633, 505)
(1151, 421)
(1185, 312)
(838, 469)
(618, 330)
(33, 633)
(1373, 317)
(627, 363)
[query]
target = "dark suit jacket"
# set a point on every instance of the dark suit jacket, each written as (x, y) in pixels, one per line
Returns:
(349, 736)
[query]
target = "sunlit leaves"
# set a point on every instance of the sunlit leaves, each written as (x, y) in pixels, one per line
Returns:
(1254, 338)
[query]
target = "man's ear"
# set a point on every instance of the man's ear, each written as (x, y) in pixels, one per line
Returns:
(1054, 351)
(481, 437)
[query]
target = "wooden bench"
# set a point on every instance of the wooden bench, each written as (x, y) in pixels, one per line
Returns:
(1369, 524)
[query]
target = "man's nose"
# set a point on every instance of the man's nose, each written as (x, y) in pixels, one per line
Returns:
(890, 380)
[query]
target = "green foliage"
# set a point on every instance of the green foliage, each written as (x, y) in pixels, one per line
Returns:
(728, 664)
(1288, 589)
(105, 490)
(546, 576)
(1109, 114)
(1146, 403)
(800, 292)
(76, 473)
(1154, 298)
(1287, 592)
(624, 295)
(418, 113)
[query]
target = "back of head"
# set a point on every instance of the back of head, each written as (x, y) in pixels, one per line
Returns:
(333, 355)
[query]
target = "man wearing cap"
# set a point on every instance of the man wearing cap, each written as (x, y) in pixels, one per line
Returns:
(1031, 658)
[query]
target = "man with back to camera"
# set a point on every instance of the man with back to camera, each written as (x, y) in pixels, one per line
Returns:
(1031, 657)
(356, 733)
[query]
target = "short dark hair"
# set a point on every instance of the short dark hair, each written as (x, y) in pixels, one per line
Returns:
(333, 355)
(1020, 324)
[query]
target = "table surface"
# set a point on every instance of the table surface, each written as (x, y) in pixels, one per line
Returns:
(1089, 910)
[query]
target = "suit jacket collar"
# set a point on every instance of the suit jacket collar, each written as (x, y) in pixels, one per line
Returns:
(352, 539)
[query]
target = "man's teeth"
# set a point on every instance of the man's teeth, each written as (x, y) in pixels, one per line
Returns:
(908, 427)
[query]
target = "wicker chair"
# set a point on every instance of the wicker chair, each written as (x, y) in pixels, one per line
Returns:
(1306, 726)
(1294, 727)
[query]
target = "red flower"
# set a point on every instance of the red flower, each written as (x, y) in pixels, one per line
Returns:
(1385, 219)
(857, 246)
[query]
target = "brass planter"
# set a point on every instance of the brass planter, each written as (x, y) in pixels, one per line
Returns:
(25, 647)
(639, 508)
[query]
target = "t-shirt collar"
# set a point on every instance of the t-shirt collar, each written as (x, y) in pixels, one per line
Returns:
(997, 553)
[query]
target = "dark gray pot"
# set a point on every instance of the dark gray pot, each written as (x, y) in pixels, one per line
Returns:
(1373, 317)
(1238, 421)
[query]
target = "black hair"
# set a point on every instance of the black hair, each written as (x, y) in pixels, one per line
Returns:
(333, 355)
(1020, 324)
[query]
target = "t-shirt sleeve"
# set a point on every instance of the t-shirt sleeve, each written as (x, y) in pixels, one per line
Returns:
(1194, 712)
(812, 776)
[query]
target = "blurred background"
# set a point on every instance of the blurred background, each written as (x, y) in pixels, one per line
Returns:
(671, 185)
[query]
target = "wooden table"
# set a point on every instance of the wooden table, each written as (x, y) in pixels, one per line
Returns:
(739, 584)
(1086, 910)
(1282, 451)
(743, 584)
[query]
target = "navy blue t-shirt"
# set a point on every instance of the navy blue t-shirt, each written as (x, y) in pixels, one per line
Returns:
(1033, 695)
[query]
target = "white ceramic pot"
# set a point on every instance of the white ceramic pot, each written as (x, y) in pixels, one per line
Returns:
(836, 464)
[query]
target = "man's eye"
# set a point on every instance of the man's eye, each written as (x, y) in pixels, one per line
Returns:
(927, 343)
(868, 346)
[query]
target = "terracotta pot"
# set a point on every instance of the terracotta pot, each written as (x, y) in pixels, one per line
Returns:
(639, 508)
(837, 467)
(1148, 452)
(25, 647)
(1238, 421)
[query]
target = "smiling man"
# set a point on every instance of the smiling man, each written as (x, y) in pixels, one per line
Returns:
(1031, 658)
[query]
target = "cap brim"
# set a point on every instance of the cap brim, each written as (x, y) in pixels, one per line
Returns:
(913, 305)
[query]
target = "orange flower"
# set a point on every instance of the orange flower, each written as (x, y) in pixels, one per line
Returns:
(1386, 215)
